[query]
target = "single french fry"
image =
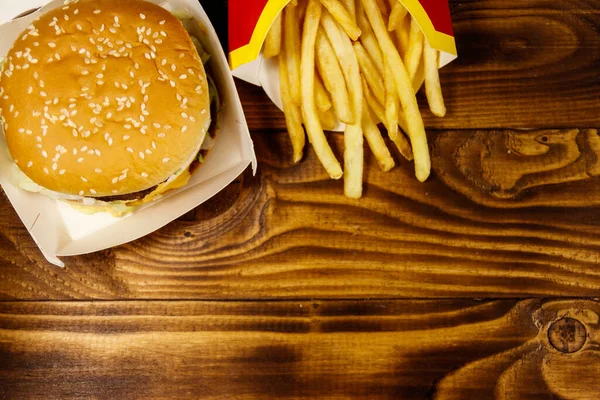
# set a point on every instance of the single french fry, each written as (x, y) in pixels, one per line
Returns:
(370, 72)
(343, 17)
(397, 15)
(376, 108)
(416, 128)
(272, 45)
(383, 8)
(353, 135)
(392, 103)
(433, 89)
(376, 142)
(401, 36)
(328, 119)
(333, 78)
(309, 109)
(291, 42)
(321, 95)
(293, 116)
(403, 146)
(368, 39)
(350, 6)
(414, 50)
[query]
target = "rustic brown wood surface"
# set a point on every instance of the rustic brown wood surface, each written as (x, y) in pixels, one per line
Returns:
(221, 303)
(442, 349)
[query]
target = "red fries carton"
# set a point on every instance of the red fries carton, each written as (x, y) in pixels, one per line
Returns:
(250, 20)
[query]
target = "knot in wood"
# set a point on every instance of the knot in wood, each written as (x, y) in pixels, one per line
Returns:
(567, 335)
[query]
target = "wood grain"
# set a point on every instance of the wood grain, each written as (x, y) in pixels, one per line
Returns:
(521, 64)
(508, 214)
(453, 349)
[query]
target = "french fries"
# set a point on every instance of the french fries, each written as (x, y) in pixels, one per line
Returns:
(293, 116)
(376, 142)
(343, 17)
(397, 15)
(321, 95)
(414, 50)
(432, 81)
(350, 6)
(353, 135)
(359, 62)
(392, 103)
(313, 125)
(333, 78)
(292, 51)
(273, 39)
(416, 129)
(373, 104)
(370, 72)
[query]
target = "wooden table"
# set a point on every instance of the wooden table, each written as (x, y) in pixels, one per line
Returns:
(479, 284)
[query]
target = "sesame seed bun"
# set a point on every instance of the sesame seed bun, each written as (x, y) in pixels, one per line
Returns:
(104, 98)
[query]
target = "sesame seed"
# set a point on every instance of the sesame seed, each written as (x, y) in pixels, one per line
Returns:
(167, 127)
(97, 11)
(141, 154)
(203, 112)
(82, 51)
(145, 175)
(62, 171)
(163, 62)
(162, 22)
(142, 16)
(181, 55)
(184, 115)
(115, 180)
(52, 44)
(183, 76)
(54, 167)
(127, 126)
(129, 149)
(98, 171)
(43, 94)
(164, 34)
(83, 179)
(97, 152)
(148, 151)
(79, 28)
(166, 160)
(184, 128)
(81, 192)
(46, 171)
(29, 164)
(131, 74)
(173, 67)
(92, 191)
(161, 135)
(85, 72)
(110, 141)
(44, 154)
(172, 83)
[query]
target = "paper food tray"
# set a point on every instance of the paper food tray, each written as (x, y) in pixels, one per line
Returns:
(58, 229)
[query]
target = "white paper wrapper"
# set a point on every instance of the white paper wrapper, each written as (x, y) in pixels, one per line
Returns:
(58, 229)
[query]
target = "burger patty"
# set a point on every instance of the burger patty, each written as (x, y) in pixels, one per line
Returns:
(143, 193)
(128, 197)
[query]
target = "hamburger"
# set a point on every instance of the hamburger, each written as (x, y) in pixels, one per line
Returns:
(106, 104)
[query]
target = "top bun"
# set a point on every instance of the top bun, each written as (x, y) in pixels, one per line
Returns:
(103, 98)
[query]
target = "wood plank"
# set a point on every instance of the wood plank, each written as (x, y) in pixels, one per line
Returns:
(508, 214)
(522, 64)
(453, 349)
